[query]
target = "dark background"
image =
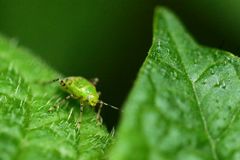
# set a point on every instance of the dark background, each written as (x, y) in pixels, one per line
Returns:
(110, 39)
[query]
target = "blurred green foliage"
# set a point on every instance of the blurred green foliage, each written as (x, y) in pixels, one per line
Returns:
(213, 23)
(110, 39)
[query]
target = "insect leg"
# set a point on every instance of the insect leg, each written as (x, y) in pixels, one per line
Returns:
(80, 117)
(56, 106)
(94, 81)
(99, 118)
(112, 133)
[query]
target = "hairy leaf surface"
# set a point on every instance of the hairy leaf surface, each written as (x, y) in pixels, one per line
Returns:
(27, 130)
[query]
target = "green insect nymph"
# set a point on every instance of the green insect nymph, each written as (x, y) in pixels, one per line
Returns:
(83, 90)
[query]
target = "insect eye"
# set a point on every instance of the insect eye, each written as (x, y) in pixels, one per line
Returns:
(62, 83)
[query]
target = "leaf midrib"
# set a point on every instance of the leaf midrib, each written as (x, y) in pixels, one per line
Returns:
(203, 119)
(28, 102)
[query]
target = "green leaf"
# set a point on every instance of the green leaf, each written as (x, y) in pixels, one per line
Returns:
(27, 130)
(185, 102)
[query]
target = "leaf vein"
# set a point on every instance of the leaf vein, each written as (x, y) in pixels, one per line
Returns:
(211, 141)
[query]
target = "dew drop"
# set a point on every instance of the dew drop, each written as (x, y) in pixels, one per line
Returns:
(212, 71)
(220, 84)
(217, 84)
(223, 85)
(204, 82)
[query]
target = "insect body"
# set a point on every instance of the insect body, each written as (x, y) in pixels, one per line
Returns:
(83, 90)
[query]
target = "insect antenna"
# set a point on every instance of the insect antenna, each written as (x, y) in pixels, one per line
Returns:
(54, 80)
(51, 81)
(106, 104)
